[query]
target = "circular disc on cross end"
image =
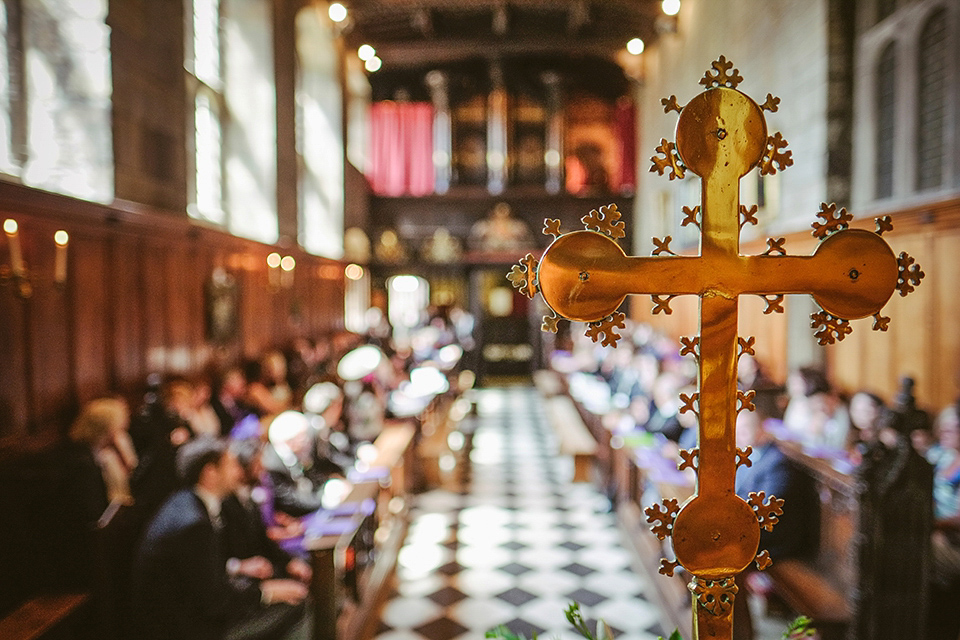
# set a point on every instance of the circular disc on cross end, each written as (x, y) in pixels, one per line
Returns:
(858, 273)
(721, 131)
(579, 276)
(716, 537)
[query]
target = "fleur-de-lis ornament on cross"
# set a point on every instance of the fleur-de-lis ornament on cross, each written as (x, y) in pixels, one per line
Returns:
(585, 276)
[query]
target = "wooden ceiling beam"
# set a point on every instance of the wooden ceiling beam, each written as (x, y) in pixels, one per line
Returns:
(402, 55)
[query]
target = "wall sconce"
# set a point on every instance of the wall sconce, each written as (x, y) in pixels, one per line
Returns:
(16, 270)
(287, 265)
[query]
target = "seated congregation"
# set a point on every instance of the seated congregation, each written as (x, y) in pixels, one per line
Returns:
(870, 486)
(193, 515)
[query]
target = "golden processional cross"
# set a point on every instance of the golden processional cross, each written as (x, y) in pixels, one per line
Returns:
(585, 276)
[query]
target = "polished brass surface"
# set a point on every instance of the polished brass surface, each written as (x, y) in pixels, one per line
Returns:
(585, 276)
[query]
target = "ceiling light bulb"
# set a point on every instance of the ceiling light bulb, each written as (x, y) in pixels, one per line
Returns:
(337, 12)
(373, 64)
(365, 52)
(635, 46)
(670, 7)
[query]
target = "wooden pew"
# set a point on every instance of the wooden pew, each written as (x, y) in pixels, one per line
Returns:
(821, 587)
(352, 567)
(115, 540)
(870, 576)
(43, 591)
(48, 616)
(574, 437)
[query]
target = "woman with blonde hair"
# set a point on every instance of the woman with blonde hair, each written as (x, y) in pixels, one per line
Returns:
(102, 430)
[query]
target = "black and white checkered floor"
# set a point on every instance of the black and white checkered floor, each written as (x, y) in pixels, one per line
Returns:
(518, 546)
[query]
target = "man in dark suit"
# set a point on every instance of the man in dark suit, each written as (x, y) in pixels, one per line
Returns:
(249, 547)
(181, 587)
(796, 533)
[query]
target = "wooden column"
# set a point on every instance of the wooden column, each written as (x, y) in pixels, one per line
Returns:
(553, 149)
(442, 138)
(496, 132)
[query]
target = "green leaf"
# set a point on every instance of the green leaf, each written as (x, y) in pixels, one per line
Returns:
(799, 628)
(574, 617)
(504, 633)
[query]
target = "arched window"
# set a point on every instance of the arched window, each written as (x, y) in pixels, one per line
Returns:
(932, 101)
(886, 99)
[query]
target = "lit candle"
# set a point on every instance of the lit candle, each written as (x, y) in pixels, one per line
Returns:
(287, 265)
(13, 239)
(273, 274)
(61, 238)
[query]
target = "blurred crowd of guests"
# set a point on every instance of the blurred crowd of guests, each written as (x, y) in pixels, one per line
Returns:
(247, 450)
(636, 387)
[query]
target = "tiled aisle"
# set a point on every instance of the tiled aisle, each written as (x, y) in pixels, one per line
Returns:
(518, 546)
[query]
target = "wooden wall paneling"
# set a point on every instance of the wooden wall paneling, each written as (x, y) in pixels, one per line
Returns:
(321, 302)
(258, 302)
(770, 331)
(682, 321)
(154, 299)
(308, 297)
(89, 292)
(245, 283)
(333, 290)
(313, 302)
(177, 273)
(944, 275)
(128, 309)
(278, 317)
(862, 361)
(913, 315)
(51, 339)
(298, 310)
(204, 257)
(274, 303)
(13, 348)
(843, 359)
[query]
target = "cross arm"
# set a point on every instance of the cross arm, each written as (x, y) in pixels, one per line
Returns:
(586, 276)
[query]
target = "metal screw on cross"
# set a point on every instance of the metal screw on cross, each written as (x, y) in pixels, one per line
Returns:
(585, 276)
